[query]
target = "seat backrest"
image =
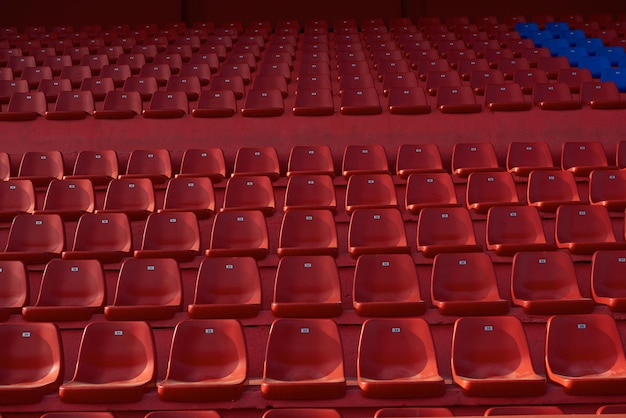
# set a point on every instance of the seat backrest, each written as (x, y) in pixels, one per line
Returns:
(193, 194)
(155, 282)
(98, 166)
(103, 232)
(207, 162)
(36, 234)
(72, 283)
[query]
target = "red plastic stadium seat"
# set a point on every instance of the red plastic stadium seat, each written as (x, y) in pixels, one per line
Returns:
(370, 191)
(310, 192)
(505, 97)
(544, 282)
(301, 413)
(105, 237)
(14, 294)
(183, 414)
(526, 79)
(201, 69)
(407, 100)
(34, 239)
(396, 359)
(606, 188)
(146, 86)
(35, 74)
(360, 101)
(135, 60)
(524, 410)
(575, 78)
(585, 355)
(489, 189)
(147, 289)
(76, 74)
(239, 233)
(490, 357)
(465, 284)
(445, 230)
(16, 197)
(429, 190)
(242, 70)
(161, 72)
(303, 360)
(226, 287)
(250, 193)
(308, 232)
(552, 65)
(480, 79)
(554, 96)
(259, 161)
(98, 86)
(215, 104)
(120, 105)
(399, 81)
(420, 158)
(584, 229)
(188, 84)
(207, 362)
(471, 157)
(71, 290)
(167, 104)
(78, 415)
(57, 62)
(119, 73)
(306, 286)
(310, 160)
(364, 159)
(19, 63)
(436, 79)
(72, 105)
(511, 229)
(155, 164)
(313, 102)
(52, 88)
(204, 162)
(100, 167)
(386, 285)
(550, 189)
(271, 82)
(607, 284)
(412, 412)
(228, 83)
(68, 198)
(170, 235)
(189, 194)
(601, 95)
(524, 157)
(374, 231)
(116, 363)
(32, 362)
(581, 158)
(355, 81)
(133, 196)
(25, 106)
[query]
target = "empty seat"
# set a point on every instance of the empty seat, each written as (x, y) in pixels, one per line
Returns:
(167, 104)
(100, 167)
(72, 105)
(490, 357)
(69, 198)
(489, 189)
(407, 101)
(301, 413)
(465, 284)
(170, 235)
(147, 289)
(436, 79)
(116, 363)
(215, 104)
(119, 73)
(524, 410)
(515, 228)
(401, 412)
(32, 362)
(250, 193)
(120, 105)
(607, 284)
(105, 237)
(524, 157)
(584, 229)
(184, 414)
(239, 233)
(471, 157)
(189, 194)
(188, 84)
(52, 88)
(132, 196)
(16, 197)
(263, 103)
(9, 87)
(526, 79)
(308, 232)
(310, 192)
(226, 287)
(581, 158)
(41, 167)
(146, 86)
(76, 74)
(98, 86)
(303, 360)
(204, 162)
(554, 96)
(310, 160)
(253, 161)
(35, 239)
(574, 78)
(505, 97)
(420, 158)
(550, 189)
(544, 282)
(611, 409)
(399, 81)
(78, 415)
(445, 230)
(606, 188)
(71, 290)
(14, 293)
(601, 95)
(585, 355)
(306, 286)
(313, 102)
(370, 191)
(374, 231)
(207, 362)
(429, 190)
(233, 84)
(364, 159)
(161, 72)
(360, 101)
(25, 106)
(457, 99)
(396, 359)
(479, 79)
